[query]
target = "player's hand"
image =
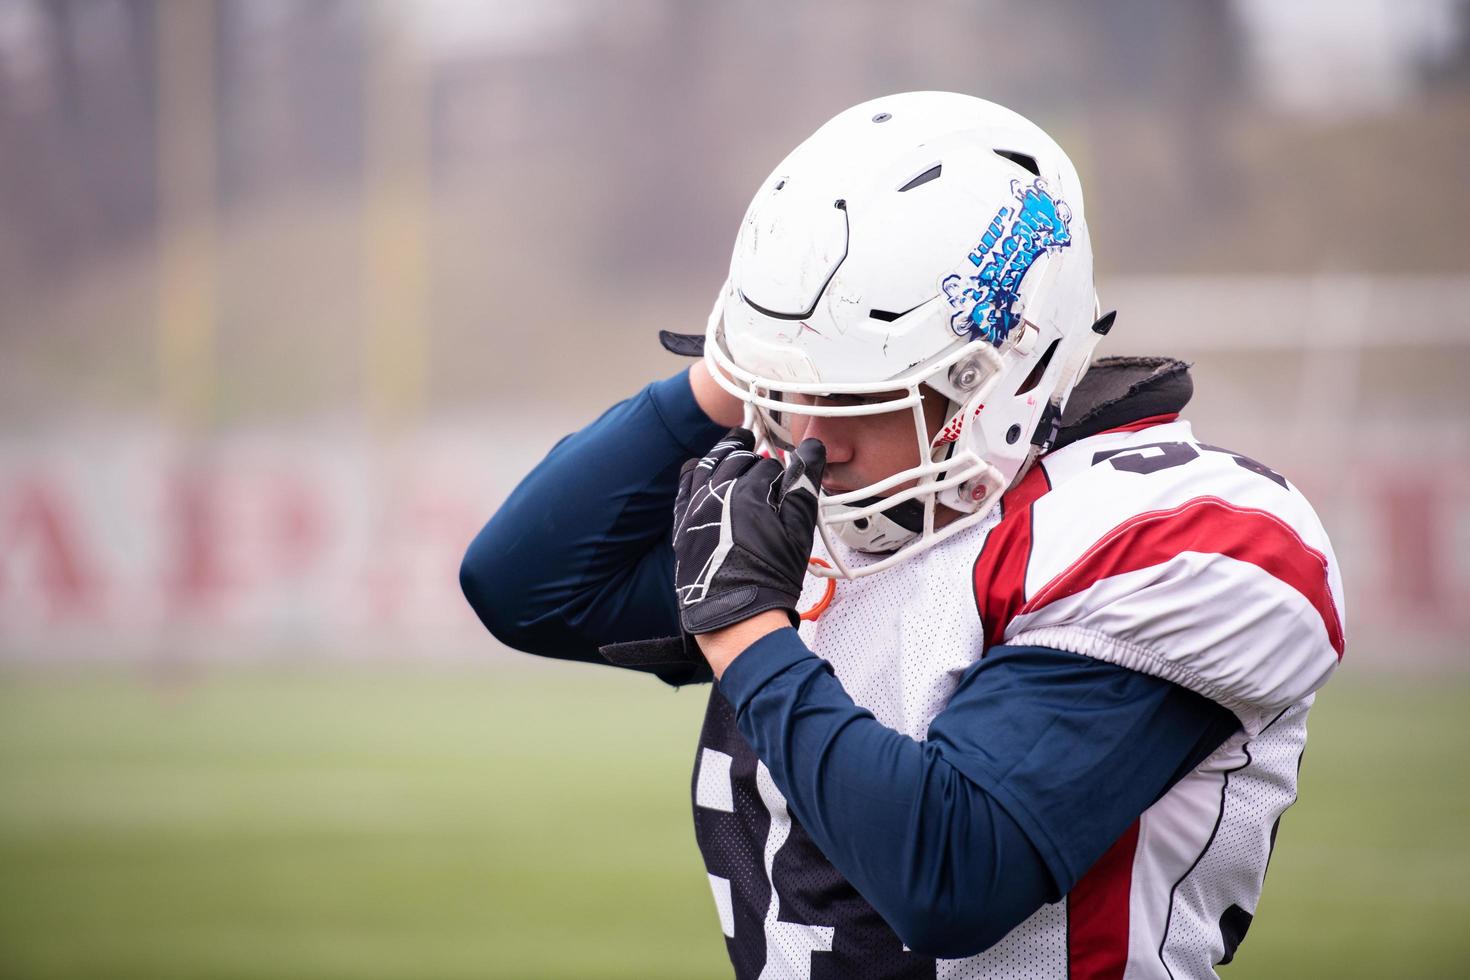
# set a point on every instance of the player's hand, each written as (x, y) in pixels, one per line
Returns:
(743, 529)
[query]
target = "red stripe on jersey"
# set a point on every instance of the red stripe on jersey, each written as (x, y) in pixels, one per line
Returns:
(1097, 914)
(1144, 423)
(1211, 526)
(1000, 570)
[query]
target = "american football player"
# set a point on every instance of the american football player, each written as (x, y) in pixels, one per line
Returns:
(1011, 671)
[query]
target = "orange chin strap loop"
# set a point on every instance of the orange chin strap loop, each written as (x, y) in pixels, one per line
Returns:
(810, 616)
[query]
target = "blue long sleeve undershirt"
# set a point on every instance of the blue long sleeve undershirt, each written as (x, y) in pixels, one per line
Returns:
(1039, 762)
(580, 554)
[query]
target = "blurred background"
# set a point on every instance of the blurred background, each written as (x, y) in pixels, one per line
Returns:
(292, 292)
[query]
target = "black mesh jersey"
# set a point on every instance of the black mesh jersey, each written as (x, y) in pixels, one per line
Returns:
(778, 897)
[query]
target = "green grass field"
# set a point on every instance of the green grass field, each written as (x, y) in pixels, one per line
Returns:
(368, 822)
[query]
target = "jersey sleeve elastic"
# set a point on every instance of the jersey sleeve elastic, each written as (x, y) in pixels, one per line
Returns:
(579, 555)
(1039, 762)
(1164, 555)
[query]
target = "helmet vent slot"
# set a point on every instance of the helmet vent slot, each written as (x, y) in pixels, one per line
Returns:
(1034, 378)
(888, 316)
(931, 174)
(1025, 160)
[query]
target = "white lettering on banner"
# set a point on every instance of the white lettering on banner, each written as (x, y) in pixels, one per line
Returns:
(121, 542)
(110, 543)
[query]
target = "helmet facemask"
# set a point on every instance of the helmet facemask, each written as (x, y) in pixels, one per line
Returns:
(894, 512)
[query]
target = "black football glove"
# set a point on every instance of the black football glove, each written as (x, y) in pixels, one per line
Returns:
(743, 529)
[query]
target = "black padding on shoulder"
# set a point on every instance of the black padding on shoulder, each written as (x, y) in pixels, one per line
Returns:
(1119, 390)
(683, 344)
(675, 659)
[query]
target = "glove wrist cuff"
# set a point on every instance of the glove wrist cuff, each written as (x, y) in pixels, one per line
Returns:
(736, 606)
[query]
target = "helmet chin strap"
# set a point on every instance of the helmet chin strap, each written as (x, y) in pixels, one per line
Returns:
(1050, 426)
(886, 531)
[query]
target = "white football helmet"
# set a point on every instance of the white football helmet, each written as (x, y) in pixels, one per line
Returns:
(920, 240)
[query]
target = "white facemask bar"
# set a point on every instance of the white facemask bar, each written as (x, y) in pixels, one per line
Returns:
(730, 376)
(834, 510)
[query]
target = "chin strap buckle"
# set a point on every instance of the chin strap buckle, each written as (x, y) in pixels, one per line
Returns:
(1047, 429)
(1050, 425)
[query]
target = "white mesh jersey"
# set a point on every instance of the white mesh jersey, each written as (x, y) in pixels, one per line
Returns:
(1141, 547)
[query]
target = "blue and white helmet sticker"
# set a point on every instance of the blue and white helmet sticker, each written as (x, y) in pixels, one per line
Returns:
(984, 290)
